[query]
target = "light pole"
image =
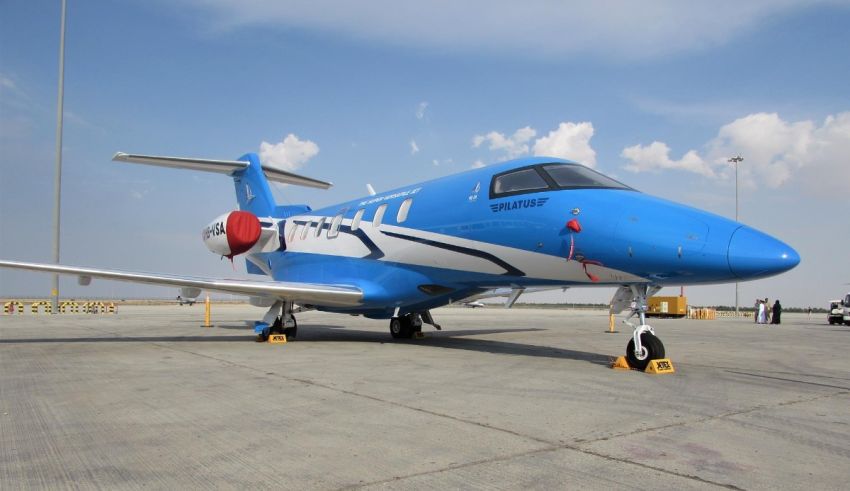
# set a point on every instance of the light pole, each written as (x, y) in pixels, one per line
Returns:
(735, 161)
(57, 183)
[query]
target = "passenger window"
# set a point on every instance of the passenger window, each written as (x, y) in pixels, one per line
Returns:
(334, 230)
(294, 231)
(306, 230)
(355, 223)
(320, 226)
(403, 210)
(379, 215)
(518, 181)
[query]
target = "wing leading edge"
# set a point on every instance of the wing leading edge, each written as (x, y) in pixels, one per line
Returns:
(304, 293)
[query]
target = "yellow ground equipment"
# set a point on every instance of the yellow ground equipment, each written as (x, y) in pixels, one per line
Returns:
(667, 307)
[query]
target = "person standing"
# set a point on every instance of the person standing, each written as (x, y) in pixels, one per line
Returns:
(766, 319)
(777, 313)
(760, 312)
(756, 311)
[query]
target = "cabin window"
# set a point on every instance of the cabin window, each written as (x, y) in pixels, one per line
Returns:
(355, 223)
(403, 210)
(294, 232)
(518, 181)
(306, 230)
(571, 176)
(334, 230)
(379, 215)
(320, 226)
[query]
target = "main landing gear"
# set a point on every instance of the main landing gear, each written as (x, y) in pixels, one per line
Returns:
(278, 320)
(406, 326)
(644, 345)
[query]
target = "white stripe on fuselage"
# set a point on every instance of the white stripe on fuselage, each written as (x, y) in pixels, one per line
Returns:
(535, 265)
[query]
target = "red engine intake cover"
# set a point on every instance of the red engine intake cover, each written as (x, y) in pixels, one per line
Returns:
(243, 231)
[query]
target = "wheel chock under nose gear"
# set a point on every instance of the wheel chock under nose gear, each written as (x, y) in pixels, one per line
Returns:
(664, 365)
(661, 366)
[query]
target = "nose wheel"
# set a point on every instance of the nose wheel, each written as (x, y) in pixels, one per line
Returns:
(651, 348)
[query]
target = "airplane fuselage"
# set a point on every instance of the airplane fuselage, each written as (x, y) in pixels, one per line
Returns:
(425, 245)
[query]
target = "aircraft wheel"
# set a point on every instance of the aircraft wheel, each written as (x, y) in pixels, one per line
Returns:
(653, 349)
(291, 332)
(400, 328)
(277, 327)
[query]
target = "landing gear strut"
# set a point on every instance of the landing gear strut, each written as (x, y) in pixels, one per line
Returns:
(644, 345)
(278, 320)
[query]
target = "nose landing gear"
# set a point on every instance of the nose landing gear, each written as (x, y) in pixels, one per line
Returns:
(644, 345)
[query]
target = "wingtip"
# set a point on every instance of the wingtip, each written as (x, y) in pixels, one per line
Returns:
(119, 156)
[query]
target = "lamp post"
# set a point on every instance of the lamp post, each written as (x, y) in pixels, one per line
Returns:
(57, 184)
(735, 161)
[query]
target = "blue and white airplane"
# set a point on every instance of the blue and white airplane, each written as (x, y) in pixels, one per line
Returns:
(533, 222)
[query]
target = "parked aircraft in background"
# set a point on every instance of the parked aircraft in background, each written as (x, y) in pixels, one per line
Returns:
(511, 295)
(533, 222)
(185, 301)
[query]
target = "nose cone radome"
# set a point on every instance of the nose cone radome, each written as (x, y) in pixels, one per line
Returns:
(753, 254)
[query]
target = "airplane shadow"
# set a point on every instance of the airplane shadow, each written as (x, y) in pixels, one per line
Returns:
(456, 340)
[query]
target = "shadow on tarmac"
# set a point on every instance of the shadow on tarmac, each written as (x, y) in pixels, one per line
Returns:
(456, 339)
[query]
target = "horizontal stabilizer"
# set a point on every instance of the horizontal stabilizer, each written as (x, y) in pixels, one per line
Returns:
(303, 293)
(221, 166)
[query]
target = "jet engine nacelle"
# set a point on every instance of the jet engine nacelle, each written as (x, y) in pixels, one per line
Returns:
(232, 234)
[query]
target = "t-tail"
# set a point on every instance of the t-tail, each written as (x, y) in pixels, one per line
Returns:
(250, 177)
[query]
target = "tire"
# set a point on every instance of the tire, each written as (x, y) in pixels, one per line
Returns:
(291, 332)
(277, 327)
(400, 328)
(652, 345)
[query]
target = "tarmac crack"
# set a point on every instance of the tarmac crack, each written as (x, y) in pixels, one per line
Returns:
(550, 446)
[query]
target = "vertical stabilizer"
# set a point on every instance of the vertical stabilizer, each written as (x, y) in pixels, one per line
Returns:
(253, 192)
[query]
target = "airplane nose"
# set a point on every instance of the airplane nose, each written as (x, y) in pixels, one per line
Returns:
(753, 254)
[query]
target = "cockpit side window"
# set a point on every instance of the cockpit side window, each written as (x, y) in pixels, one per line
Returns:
(518, 181)
(571, 176)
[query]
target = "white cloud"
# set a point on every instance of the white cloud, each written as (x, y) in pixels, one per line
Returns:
(478, 164)
(656, 156)
(420, 110)
(610, 29)
(414, 148)
(568, 141)
(776, 153)
(514, 145)
(290, 154)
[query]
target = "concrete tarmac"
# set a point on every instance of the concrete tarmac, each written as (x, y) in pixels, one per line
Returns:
(500, 399)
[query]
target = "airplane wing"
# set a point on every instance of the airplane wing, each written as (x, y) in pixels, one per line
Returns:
(303, 293)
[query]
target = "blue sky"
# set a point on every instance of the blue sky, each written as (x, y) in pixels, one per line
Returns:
(657, 94)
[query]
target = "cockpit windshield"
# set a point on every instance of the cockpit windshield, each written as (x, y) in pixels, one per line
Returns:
(519, 181)
(550, 177)
(568, 176)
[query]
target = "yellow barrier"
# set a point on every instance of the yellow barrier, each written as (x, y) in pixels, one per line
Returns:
(70, 306)
(702, 314)
(12, 307)
(35, 307)
(731, 313)
(110, 308)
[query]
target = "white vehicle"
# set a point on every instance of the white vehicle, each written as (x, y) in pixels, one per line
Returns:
(836, 312)
(846, 309)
